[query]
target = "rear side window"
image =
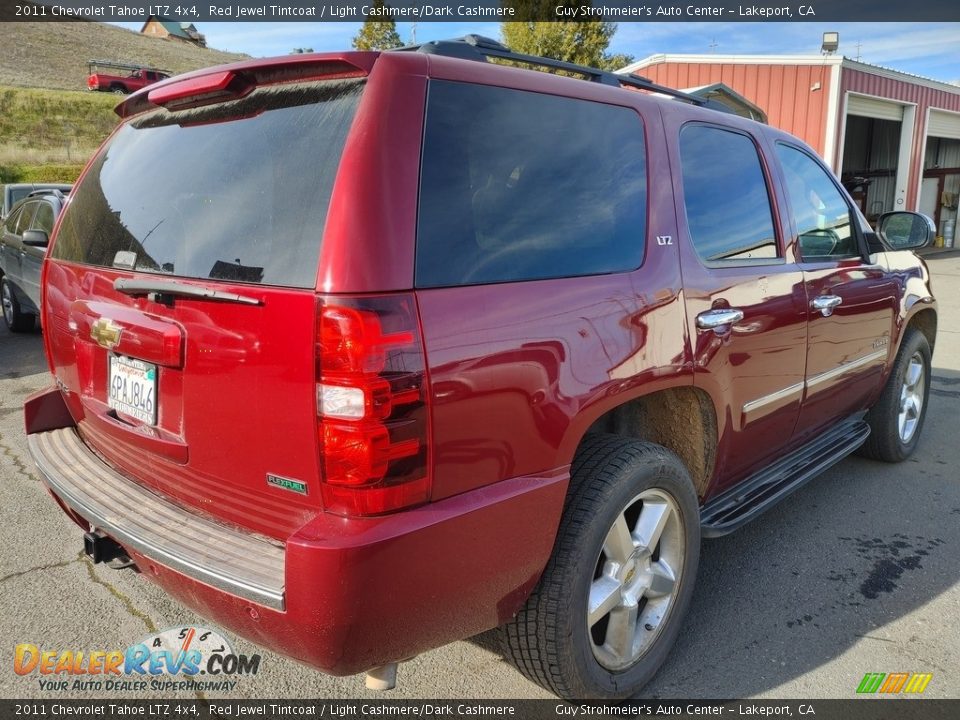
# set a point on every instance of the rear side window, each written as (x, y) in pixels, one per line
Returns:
(236, 191)
(523, 186)
(725, 195)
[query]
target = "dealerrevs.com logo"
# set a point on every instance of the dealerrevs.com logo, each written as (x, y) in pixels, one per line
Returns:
(181, 658)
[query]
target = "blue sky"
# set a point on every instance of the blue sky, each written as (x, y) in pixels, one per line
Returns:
(929, 49)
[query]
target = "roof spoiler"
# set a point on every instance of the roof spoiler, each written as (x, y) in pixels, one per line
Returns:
(228, 82)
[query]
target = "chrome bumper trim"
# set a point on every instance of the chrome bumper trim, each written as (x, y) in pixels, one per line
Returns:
(846, 367)
(237, 562)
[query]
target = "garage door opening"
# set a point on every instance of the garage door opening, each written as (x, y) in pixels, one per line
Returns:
(940, 190)
(869, 171)
(875, 165)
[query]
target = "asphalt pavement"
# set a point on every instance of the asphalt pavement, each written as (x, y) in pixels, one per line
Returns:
(855, 573)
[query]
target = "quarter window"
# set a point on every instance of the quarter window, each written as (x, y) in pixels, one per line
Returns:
(820, 213)
(725, 195)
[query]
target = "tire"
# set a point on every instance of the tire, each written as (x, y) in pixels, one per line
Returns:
(118, 90)
(907, 388)
(16, 320)
(551, 641)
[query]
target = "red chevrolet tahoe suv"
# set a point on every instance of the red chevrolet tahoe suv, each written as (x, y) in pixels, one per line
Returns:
(358, 354)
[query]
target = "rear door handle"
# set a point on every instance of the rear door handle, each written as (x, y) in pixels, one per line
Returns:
(719, 319)
(826, 303)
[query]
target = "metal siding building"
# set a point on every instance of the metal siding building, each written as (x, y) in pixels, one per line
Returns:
(827, 100)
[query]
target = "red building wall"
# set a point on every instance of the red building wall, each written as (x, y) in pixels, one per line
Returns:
(782, 91)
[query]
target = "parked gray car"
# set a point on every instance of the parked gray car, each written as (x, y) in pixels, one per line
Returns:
(15, 192)
(23, 244)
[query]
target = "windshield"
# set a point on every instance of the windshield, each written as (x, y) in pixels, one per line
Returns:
(237, 191)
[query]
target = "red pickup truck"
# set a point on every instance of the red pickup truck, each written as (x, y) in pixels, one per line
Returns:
(121, 78)
(459, 345)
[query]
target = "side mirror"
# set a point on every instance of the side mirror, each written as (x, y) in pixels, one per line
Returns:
(906, 230)
(35, 238)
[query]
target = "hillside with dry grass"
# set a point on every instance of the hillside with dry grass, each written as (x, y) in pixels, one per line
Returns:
(49, 122)
(55, 55)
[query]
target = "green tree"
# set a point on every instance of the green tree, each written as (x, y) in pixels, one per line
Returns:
(583, 42)
(616, 61)
(377, 34)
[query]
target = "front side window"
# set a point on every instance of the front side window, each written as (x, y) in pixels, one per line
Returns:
(820, 213)
(725, 196)
(524, 186)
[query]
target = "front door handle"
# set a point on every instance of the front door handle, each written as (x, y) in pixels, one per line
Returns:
(719, 319)
(826, 303)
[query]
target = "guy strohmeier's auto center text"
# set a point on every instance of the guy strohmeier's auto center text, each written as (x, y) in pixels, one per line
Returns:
(413, 11)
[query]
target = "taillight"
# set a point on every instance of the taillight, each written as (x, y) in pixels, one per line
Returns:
(372, 414)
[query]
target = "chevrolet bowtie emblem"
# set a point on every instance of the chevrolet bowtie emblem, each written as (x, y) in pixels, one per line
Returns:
(105, 333)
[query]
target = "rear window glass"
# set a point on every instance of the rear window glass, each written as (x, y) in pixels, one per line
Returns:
(523, 186)
(18, 194)
(236, 191)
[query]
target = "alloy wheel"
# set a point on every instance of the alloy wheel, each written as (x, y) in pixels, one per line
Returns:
(911, 398)
(636, 580)
(7, 300)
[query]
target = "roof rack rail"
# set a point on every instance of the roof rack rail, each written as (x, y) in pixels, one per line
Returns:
(478, 47)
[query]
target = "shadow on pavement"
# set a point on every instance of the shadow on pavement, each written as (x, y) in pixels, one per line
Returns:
(21, 354)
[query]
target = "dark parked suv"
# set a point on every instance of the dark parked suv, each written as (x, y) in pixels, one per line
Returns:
(358, 354)
(24, 236)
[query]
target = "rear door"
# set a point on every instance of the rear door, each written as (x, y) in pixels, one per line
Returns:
(181, 293)
(745, 299)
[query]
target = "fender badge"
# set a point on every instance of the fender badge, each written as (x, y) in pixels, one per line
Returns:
(287, 484)
(105, 333)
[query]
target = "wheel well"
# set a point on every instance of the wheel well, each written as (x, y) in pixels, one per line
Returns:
(926, 322)
(680, 419)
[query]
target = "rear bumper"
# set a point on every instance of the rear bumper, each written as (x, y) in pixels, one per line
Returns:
(242, 564)
(342, 594)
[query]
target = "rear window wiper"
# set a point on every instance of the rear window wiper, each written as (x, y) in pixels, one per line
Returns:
(163, 291)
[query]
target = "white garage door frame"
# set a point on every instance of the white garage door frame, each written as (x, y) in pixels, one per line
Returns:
(936, 122)
(881, 108)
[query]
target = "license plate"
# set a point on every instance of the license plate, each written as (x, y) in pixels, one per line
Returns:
(133, 388)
